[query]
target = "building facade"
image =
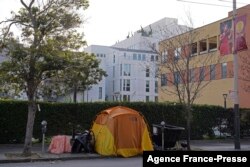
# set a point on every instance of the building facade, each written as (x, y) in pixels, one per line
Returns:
(131, 64)
(131, 74)
(210, 62)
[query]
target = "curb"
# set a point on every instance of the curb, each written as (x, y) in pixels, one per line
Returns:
(48, 159)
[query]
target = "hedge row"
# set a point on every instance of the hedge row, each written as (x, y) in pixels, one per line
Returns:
(61, 117)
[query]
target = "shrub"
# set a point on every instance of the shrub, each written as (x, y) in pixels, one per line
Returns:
(62, 117)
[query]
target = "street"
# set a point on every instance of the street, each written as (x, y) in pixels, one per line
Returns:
(104, 162)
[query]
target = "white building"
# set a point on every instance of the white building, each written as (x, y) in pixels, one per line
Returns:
(131, 74)
(150, 35)
(131, 64)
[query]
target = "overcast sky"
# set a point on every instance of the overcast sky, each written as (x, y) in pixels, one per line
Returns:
(109, 21)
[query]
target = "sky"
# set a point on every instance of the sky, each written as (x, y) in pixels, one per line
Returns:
(109, 21)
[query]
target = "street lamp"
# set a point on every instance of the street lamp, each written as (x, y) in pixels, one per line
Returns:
(225, 107)
(225, 100)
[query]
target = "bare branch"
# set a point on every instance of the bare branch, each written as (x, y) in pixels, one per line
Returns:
(31, 3)
(24, 4)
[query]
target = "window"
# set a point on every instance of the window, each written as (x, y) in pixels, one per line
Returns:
(156, 86)
(127, 70)
(152, 58)
(202, 73)
(163, 79)
(143, 57)
(194, 49)
(191, 75)
(212, 72)
(177, 78)
(177, 53)
(126, 85)
(113, 58)
(156, 72)
(126, 97)
(139, 57)
(223, 70)
(156, 58)
(113, 71)
(120, 69)
(120, 84)
(212, 43)
(113, 85)
(134, 56)
(156, 99)
(147, 71)
(203, 46)
(147, 98)
(164, 56)
(100, 92)
(147, 86)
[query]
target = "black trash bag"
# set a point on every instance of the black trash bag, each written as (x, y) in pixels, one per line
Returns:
(83, 143)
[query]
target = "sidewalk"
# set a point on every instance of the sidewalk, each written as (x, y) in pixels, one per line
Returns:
(205, 145)
(220, 145)
(6, 150)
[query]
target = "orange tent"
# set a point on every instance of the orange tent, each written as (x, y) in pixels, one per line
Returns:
(121, 131)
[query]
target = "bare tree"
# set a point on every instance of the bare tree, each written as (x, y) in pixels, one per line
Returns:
(187, 65)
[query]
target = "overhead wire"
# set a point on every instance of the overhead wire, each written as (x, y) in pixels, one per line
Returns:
(211, 4)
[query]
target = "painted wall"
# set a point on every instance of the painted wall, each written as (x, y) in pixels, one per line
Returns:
(212, 93)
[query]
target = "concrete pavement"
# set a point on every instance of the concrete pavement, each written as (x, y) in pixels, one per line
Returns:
(220, 145)
(8, 151)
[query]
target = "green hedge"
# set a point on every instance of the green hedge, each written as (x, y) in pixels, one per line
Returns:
(62, 116)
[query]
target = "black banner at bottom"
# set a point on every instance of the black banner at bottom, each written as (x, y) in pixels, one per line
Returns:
(196, 158)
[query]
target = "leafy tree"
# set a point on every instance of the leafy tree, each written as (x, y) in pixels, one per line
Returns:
(82, 72)
(48, 35)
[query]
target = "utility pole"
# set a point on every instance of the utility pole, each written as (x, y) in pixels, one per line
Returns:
(236, 97)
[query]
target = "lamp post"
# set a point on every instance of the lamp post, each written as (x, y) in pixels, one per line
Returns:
(225, 100)
(225, 107)
(162, 135)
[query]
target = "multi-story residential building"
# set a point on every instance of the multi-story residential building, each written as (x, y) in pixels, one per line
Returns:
(131, 64)
(131, 74)
(218, 72)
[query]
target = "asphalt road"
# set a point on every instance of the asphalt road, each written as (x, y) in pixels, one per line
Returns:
(104, 162)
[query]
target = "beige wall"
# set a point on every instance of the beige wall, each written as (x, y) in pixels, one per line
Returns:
(212, 93)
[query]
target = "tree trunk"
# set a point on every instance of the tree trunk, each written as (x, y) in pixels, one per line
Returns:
(74, 100)
(29, 127)
(75, 94)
